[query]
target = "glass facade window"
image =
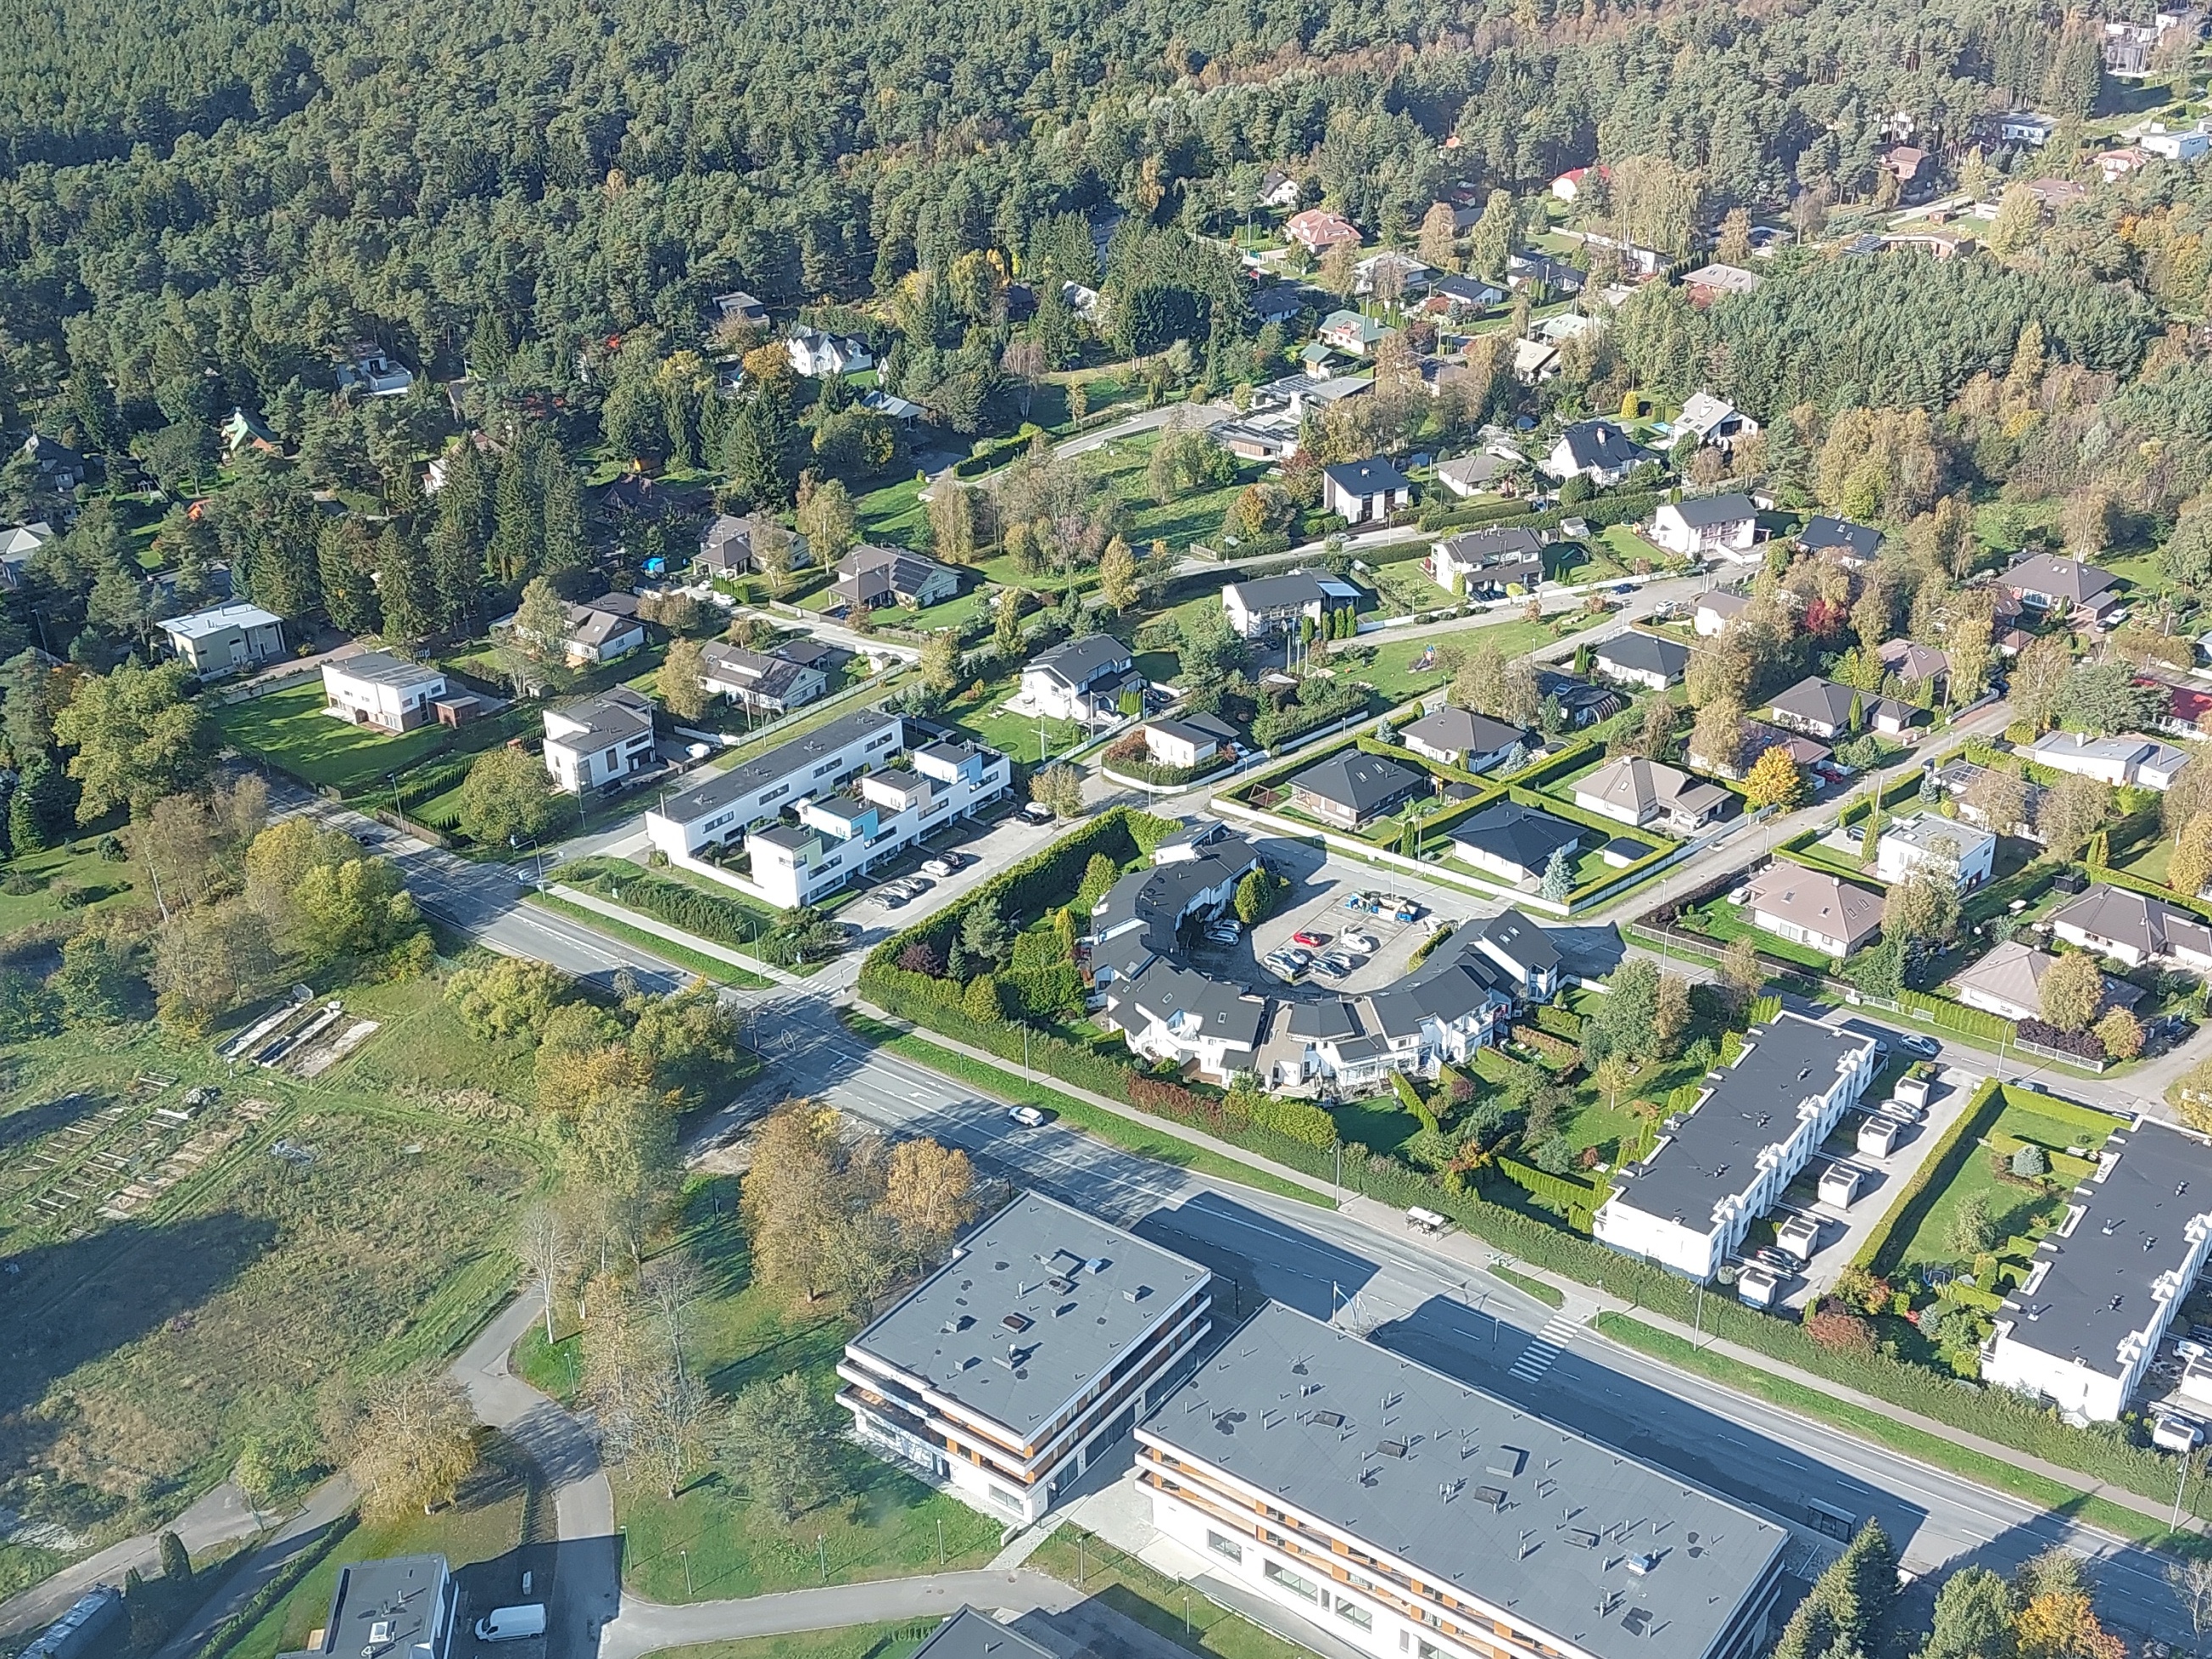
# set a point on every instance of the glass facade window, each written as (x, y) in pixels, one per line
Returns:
(1291, 1581)
(1352, 1613)
(1228, 1546)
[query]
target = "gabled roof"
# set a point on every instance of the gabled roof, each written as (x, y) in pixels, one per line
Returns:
(1704, 412)
(1478, 467)
(1630, 780)
(1815, 699)
(1077, 663)
(2151, 925)
(1463, 730)
(1705, 512)
(1365, 783)
(1368, 477)
(869, 570)
(1193, 1005)
(1513, 545)
(1723, 604)
(1519, 834)
(2059, 579)
(1645, 654)
(1824, 534)
(595, 624)
(1601, 443)
(1519, 939)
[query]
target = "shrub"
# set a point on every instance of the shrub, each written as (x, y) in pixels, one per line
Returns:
(1840, 1331)
(2029, 1162)
(1409, 1097)
(2082, 1045)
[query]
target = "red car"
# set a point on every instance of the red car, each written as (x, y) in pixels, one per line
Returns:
(1310, 938)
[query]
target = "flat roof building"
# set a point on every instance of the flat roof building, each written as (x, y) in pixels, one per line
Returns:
(1720, 1165)
(229, 637)
(1024, 1360)
(2083, 1327)
(1410, 1513)
(400, 1609)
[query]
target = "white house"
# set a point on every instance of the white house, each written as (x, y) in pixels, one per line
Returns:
(2143, 761)
(2189, 143)
(1487, 561)
(18, 544)
(819, 356)
(1908, 842)
(1633, 657)
(1082, 679)
(1708, 528)
(226, 638)
(375, 374)
(2008, 982)
(1366, 492)
(1717, 609)
(2083, 1327)
(1269, 605)
(1189, 741)
(2134, 928)
(1632, 790)
(599, 740)
(378, 689)
(1277, 189)
(1715, 422)
(774, 682)
(1596, 450)
(1460, 737)
(1721, 1164)
(1811, 907)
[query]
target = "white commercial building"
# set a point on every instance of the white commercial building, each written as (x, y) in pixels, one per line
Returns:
(1412, 1517)
(1018, 1364)
(1719, 1166)
(2083, 1327)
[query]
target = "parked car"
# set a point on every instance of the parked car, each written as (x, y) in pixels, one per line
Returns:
(1916, 1043)
(936, 867)
(1363, 942)
(1028, 1116)
(891, 897)
(1307, 936)
(1037, 812)
(1337, 963)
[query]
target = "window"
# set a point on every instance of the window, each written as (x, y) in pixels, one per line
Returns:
(1352, 1613)
(1228, 1546)
(1292, 1581)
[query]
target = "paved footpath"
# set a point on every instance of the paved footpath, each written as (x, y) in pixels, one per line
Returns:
(647, 1626)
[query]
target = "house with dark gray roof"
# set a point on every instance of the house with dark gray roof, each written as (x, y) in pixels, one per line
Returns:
(1081, 679)
(2135, 928)
(2047, 583)
(598, 741)
(1487, 561)
(1351, 788)
(1839, 538)
(873, 577)
(1596, 450)
(1721, 1166)
(1363, 1494)
(968, 1634)
(1708, 528)
(1580, 703)
(1269, 605)
(1460, 737)
(773, 682)
(1513, 842)
(1363, 492)
(1823, 708)
(1636, 658)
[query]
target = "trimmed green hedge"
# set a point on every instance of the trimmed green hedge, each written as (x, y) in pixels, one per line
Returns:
(1947, 1011)
(1935, 1172)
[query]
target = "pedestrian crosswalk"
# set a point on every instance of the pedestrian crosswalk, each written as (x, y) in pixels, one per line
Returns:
(1549, 1343)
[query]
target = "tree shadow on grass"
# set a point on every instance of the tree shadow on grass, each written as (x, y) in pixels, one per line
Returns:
(36, 1122)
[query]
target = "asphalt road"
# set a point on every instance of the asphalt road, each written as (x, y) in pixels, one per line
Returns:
(1409, 1298)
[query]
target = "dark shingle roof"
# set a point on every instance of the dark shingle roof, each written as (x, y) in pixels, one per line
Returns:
(1368, 477)
(1520, 835)
(1365, 783)
(1706, 511)
(1646, 654)
(1078, 662)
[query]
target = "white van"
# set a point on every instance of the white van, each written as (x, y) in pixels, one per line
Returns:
(511, 1623)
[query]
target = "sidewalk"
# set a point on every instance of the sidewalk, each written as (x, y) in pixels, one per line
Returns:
(1470, 1251)
(654, 925)
(647, 1626)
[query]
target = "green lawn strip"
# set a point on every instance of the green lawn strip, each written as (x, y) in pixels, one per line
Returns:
(1129, 1133)
(551, 1368)
(289, 730)
(1550, 1295)
(1156, 1600)
(73, 872)
(852, 1642)
(677, 956)
(1993, 1472)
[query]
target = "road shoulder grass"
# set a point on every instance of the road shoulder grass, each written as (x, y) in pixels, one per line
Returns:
(1127, 1133)
(676, 955)
(1162, 1605)
(1882, 1431)
(1550, 1295)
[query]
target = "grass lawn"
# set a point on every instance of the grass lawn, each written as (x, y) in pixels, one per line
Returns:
(892, 513)
(485, 1521)
(385, 1239)
(1155, 1601)
(2021, 1213)
(1377, 1123)
(1724, 921)
(1130, 1132)
(1405, 589)
(852, 1642)
(1192, 518)
(1392, 672)
(1880, 1430)
(1550, 1295)
(886, 1527)
(289, 730)
(73, 876)
(985, 720)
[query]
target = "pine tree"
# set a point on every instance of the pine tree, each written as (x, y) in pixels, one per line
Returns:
(567, 547)
(405, 587)
(518, 526)
(343, 557)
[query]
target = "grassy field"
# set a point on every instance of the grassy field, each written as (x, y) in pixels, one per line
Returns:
(1723, 921)
(485, 1521)
(1131, 1133)
(893, 514)
(1195, 517)
(289, 730)
(677, 956)
(2021, 1211)
(887, 1526)
(1550, 1295)
(141, 1349)
(1161, 1604)
(985, 718)
(852, 1642)
(73, 876)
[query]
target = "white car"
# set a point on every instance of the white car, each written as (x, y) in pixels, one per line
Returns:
(1363, 942)
(1028, 1116)
(936, 867)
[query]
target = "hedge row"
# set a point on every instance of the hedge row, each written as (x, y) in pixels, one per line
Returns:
(1937, 1172)
(1572, 1194)
(2112, 878)
(1944, 1011)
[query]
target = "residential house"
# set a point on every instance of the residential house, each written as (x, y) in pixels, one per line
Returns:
(1535, 361)
(18, 544)
(1381, 273)
(1635, 260)
(2046, 584)
(2053, 194)
(1912, 167)
(1317, 230)
(377, 688)
(1716, 422)
(1513, 842)
(1915, 665)
(1717, 281)
(2188, 711)
(1839, 539)
(1163, 1009)
(1640, 792)
(1272, 436)
(844, 831)
(1460, 737)
(1566, 326)
(1812, 907)
(55, 466)
(1708, 528)
(598, 741)
(1270, 605)
(1488, 562)
(819, 355)
(1906, 844)
(1189, 741)
(1956, 781)
(942, 1380)
(968, 1634)
(1636, 658)
(1278, 303)
(1580, 703)
(773, 682)
(1363, 492)
(2114, 165)
(244, 431)
(226, 638)
(2008, 982)
(2025, 127)
(1350, 332)
(1305, 393)
(2134, 928)
(1456, 298)
(375, 373)
(1081, 679)
(737, 307)
(406, 1607)
(1716, 1168)
(1596, 450)
(727, 544)
(1473, 473)
(871, 577)
(1531, 270)
(2189, 143)
(2144, 762)
(1756, 739)
(900, 411)
(597, 630)
(1351, 789)
(1277, 189)
(2082, 1329)
(1717, 609)
(1826, 710)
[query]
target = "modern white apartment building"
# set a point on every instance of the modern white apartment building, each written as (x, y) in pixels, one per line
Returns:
(1718, 1166)
(1028, 1357)
(378, 689)
(1412, 1517)
(2083, 1327)
(839, 831)
(1908, 842)
(599, 740)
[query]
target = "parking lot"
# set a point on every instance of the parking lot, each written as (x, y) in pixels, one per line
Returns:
(985, 849)
(1315, 907)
